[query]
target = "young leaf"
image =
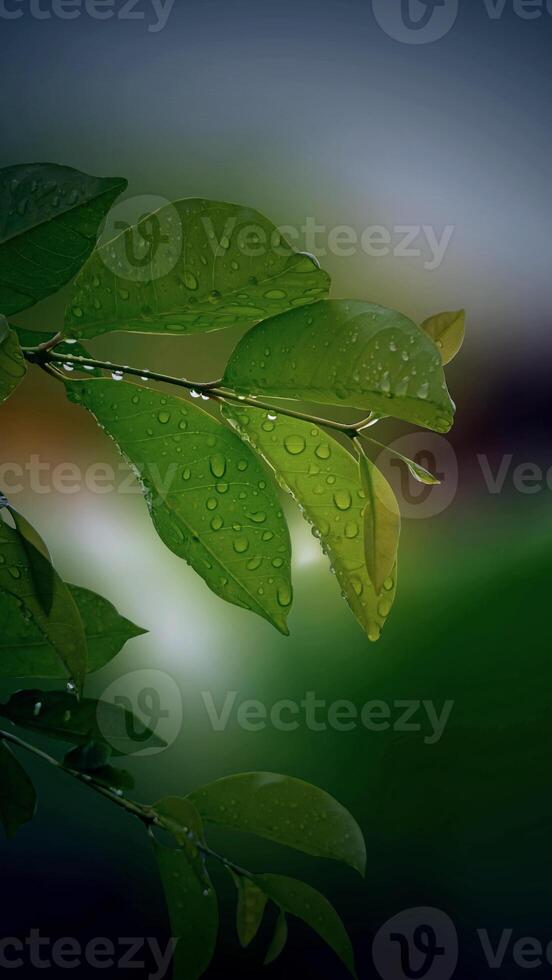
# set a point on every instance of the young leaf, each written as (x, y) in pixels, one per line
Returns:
(210, 499)
(17, 794)
(212, 265)
(447, 330)
(345, 352)
(251, 905)
(382, 524)
(324, 480)
(418, 472)
(33, 338)
(50, 216)
(40, 568)
(25, 650)
(190, 896)
(286, 810)
(62, 629)
(59, 715)
(306, 903)
(13, 366)
(279, 939)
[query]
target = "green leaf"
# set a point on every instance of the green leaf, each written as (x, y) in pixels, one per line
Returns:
(286, 810)
(72, 348)
(203, 273)
(50, 216)
(190, 896)
(13, 366)
(251, 905)
(17, 794)
(62, 629)
(418, 472)
(382, 524)
(59, 715)
(279, 939)
(25, 650)
(306, 903)
(447, 330)
(179, 816)
(92, 758)
(345, 352)
(324, 480)
(40, 568)
(210, 499)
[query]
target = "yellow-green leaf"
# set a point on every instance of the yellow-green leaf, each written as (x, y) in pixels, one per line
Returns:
(447, 330)
(324, 480)
(382, 524)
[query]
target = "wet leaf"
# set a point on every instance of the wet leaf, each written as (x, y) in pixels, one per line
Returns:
(190, 267)
(299, 899)
(50, 216)
(250, 911)
(324, 480)
(345, 352)
(25, 650)
(59, 715)
(13, 366)
(17, 794)
(62, 629)
(382, 524)
(210, 499)
(447, 330)
(279, 939)
(40, 568)
(286, 810)
(190, 896)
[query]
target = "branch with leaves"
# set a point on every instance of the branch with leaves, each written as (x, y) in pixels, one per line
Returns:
(210, 480)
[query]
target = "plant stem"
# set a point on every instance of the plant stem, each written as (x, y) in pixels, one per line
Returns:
(144, 813)
(44, 357)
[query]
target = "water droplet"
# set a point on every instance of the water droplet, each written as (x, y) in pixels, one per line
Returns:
(217, 522)
(294, 444)
(190, 280)
(163, 417)
(212, 504)
(254, 563)
(284, 595)
(241, 544)
(351, 530)
(323, 451)
(342, 499)
(218, 465)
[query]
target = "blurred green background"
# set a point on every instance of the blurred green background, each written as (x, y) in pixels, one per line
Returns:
(314, 111)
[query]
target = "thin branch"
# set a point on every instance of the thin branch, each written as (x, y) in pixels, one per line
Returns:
(144, 813)
(212, 390)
